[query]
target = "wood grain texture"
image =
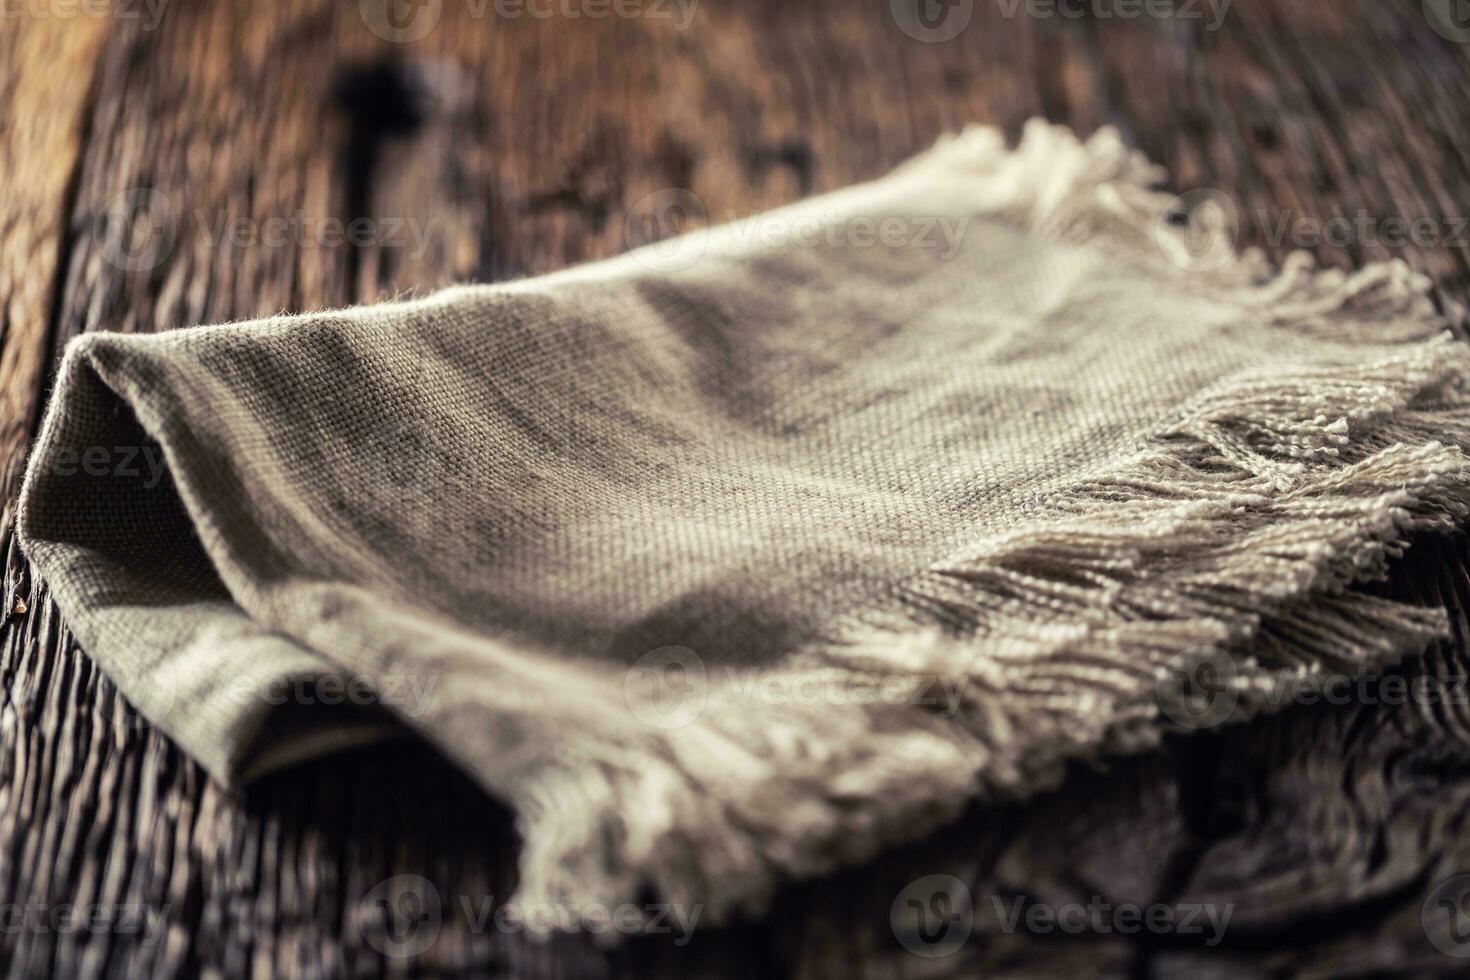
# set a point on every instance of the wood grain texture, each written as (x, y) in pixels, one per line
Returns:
(495, 147)
(44, 90)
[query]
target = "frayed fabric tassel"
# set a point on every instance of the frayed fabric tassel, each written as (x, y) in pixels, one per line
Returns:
(1234, 534)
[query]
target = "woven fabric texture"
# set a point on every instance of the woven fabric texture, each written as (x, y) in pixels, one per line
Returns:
(739, 556)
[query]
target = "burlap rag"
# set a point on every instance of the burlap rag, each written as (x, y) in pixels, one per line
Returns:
(739, 556)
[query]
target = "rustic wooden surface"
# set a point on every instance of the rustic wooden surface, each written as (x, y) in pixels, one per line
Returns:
(519, 146)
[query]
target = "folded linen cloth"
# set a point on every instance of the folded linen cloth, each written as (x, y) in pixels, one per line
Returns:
(728, 561)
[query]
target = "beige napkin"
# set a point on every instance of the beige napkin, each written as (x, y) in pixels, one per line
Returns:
(738, 556)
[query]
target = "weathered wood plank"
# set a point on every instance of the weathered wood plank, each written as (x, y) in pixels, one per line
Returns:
(44, 105)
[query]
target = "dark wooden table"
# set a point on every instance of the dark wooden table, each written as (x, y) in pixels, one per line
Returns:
(498, 146)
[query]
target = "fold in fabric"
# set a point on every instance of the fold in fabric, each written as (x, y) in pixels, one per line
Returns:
(740, 556)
